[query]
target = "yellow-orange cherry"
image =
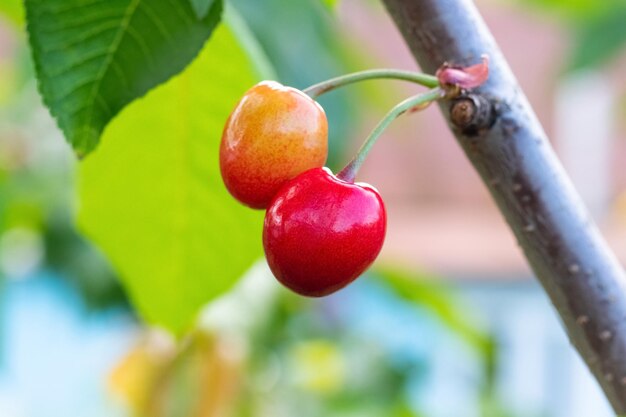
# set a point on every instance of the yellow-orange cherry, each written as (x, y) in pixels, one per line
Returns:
(274, 134)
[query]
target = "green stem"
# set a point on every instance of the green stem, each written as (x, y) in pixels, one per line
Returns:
(349, 172)
(317, 90)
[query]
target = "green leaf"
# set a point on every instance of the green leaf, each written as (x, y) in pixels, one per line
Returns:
(201, 7)
(151, 196)
(94, 57)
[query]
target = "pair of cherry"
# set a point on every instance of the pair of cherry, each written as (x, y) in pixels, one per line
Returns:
(321, 231)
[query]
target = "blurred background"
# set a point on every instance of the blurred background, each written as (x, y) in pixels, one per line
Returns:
(450, 322)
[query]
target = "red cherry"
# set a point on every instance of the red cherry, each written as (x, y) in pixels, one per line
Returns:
(321, 232)
(273, 134)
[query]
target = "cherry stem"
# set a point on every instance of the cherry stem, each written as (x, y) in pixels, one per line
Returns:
(318, 89)
(417, 102)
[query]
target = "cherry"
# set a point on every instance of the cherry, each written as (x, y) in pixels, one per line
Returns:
(321, 232)
(273, 134)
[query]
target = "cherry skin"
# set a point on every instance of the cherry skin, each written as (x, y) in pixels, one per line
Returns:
(273, 134)
(321, 233)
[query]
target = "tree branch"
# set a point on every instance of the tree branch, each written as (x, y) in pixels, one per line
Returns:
(504, 141)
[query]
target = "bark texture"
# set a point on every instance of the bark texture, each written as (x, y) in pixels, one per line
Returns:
(504, 141)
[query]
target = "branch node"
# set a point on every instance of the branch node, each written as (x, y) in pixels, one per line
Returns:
(472, 114)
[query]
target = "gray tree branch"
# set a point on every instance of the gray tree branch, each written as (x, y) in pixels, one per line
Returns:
(506, 144)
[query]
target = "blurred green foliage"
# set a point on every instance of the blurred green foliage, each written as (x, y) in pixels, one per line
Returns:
(330, 3)
(308, 361)
(310, 358)
(36, 229)
(598, 28)
(573, 9)
(600, 37)
(77, 261)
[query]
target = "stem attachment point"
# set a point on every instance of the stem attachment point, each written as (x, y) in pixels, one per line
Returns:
(416, 102)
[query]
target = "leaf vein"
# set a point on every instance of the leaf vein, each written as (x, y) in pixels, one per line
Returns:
(124, 24)
(68, 26)
(76, 41)
(74, 88)
(181, 12)
(156, 21)
(139, 40)
(59, 9)
(120, 74)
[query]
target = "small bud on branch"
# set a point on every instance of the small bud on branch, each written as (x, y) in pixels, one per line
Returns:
(464, 77)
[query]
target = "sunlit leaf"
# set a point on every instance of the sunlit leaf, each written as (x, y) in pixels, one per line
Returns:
(94, 57)
(13, 10)
(152, 197)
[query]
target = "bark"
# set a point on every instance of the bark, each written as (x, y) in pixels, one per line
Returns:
(505, 143)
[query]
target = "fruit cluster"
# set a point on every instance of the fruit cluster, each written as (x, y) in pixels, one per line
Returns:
(321, 231)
